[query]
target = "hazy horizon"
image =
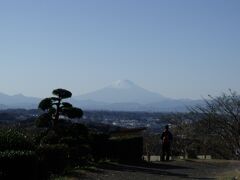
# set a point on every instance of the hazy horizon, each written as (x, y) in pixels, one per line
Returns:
(179, 49)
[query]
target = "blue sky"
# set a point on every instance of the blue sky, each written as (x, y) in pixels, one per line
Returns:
(181, 49)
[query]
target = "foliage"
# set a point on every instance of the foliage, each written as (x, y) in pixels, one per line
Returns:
(211, 128)
(75, 130)
(44, 120)
(221, 121)
(79, 155)
(74, 137)
(120, 149)
(126, 150)
(185, 137)
(54, 107)
(18, 165)
(52, 158)
(152, 144)
(50, 138)
(100, 145)
(11, 139)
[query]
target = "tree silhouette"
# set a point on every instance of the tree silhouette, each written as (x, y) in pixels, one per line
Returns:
(221, 120)
(54, 107)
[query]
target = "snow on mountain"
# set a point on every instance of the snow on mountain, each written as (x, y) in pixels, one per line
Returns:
(123, 84)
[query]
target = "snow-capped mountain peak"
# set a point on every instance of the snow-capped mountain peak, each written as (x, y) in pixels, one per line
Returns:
(122, 91)
(123, 84)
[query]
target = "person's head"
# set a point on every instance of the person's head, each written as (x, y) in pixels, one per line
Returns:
(166, 127)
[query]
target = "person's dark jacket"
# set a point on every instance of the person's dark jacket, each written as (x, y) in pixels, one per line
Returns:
(166, 137)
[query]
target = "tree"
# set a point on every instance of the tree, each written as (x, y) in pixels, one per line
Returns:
(152, 144)
(184, 136)
(54, 107)
(221, 116)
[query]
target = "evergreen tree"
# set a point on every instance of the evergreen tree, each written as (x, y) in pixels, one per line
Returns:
(54, 107)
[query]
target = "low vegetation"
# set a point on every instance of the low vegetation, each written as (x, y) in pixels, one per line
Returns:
(56, 144)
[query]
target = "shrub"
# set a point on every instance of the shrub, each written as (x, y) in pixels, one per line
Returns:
(50, 138)
(52, 158)
(79, 155)
(66, 129)
(79, 130)
(11, 139)
(100, 146)
(79, 151)
(18, 165)
(126, 150)
(70, 141)
(44, 120)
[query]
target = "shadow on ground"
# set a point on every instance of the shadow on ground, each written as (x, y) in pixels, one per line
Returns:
(150, 168)
(142, 171)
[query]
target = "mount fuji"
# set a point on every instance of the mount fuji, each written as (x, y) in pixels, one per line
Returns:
(125, 95)
(122, 91)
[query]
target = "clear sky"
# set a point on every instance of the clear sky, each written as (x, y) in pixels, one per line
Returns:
(181, 48)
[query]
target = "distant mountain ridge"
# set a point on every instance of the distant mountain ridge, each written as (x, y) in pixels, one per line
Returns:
(122, 95)
(18, 101)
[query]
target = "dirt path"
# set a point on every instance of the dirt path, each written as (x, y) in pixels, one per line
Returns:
(213, 169)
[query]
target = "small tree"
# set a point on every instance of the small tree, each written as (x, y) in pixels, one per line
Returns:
(221, 119)
(151, 144)
(182, 127)
(54, 107)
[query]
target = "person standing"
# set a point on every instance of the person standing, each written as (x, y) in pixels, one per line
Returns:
(166, 143)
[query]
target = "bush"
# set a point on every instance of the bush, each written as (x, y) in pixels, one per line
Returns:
(70, 141)
(79, 155)
(100, 146)
(79, 151)
(11, 139)
(18, 165)
(66, 129)
(126, 150)
(79, 130)
(44, 120)
(68, 138)
(50, 138)
(52, 159)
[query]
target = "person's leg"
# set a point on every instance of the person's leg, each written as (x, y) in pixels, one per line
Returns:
(163, 153)
(167, 152)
